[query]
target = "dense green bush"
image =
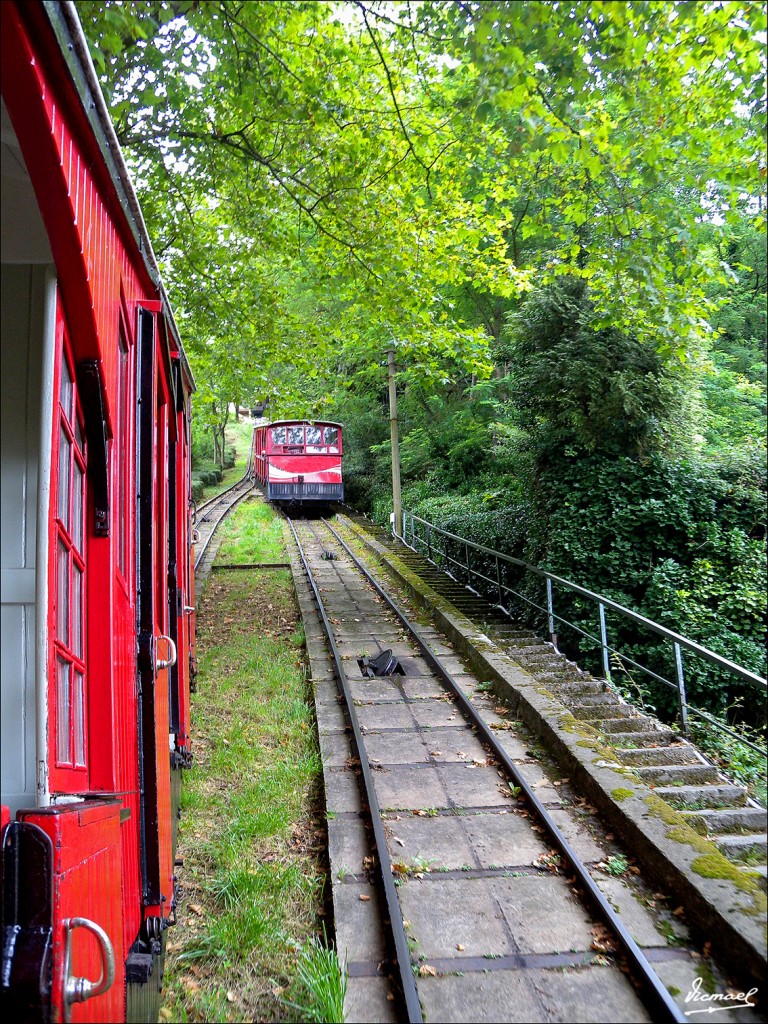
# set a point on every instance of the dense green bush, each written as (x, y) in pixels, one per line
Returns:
(209, 473)
(197, 487)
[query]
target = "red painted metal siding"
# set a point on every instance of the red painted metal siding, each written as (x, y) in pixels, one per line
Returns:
(87, 883)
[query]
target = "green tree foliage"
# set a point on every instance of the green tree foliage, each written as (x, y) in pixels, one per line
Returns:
(554, 212)
(385, 160)
(575, 388)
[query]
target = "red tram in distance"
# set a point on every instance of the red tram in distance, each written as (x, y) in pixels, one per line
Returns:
(97, 580)
(298, 462)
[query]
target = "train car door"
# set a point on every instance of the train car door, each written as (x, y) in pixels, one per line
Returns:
(156, 649)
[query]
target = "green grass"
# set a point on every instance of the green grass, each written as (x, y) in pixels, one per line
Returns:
(319, 990)
(253, 533)
(252, 833)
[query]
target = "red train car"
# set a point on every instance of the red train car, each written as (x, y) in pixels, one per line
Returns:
(299, 462)
(97, 579)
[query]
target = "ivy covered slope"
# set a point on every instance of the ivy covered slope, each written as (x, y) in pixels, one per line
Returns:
(555, 214)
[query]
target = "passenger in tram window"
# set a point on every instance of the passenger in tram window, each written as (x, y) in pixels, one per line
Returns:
(278, 435)
(314, 439)
(296, 435)
(332, 439)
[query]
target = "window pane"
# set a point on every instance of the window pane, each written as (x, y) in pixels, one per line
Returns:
(314, 435)
(63, 748)
(77, 612)
(296, 435)
(77, 508)
(78, 714)
(65, 392)
(62, 596)
(79, 435)
(331, 435)
(64, 468)
(278, 435)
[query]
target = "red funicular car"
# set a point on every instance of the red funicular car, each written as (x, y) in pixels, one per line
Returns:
(299, 462)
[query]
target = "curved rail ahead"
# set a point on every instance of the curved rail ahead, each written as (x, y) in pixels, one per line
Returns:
(211, 513)
(655, 995)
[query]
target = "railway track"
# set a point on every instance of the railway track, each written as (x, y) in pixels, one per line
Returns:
(209, 517)
(494, 901)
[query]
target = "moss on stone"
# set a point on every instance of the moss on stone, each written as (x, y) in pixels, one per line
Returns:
(715, 865)
(622, 794)
(710, 863)
(707, 975)
(662, 810)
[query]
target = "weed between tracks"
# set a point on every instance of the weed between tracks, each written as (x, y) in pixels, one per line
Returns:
(252, 835)
(252, 534)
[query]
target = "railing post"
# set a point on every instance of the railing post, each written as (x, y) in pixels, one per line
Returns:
(429, 542)
(682, 700)
(498, 581)
(466, 562)
(551, 614)
(604, 642)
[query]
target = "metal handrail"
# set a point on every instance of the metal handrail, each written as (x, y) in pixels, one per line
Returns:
(679, 641)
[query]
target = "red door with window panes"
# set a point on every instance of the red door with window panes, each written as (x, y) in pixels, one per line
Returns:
(68, 679)
(86, 876)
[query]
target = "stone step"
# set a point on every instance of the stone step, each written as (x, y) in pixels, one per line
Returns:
(625, 724)
(741, 847)
(703, 796)
(599, 713)
(545, 659)
(595, 700)
(677, 774)
(678, 753)
(570, 687)
(566, 670)
(731, 819)
(633, 740)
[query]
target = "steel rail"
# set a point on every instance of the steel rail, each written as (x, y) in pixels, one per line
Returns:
(397, 925)
(658, 999)
(225, 512)
(246, 475)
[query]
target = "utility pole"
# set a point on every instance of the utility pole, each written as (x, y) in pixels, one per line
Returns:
(397, 500)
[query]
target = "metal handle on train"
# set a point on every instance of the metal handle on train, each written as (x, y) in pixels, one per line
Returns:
(78, 990)
(161, 663)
